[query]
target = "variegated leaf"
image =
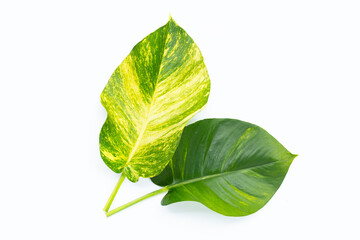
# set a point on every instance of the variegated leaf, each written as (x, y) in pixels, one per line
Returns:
(150, 97)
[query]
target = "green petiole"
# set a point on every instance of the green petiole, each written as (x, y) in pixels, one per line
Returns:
(154, 193)
(113, 194)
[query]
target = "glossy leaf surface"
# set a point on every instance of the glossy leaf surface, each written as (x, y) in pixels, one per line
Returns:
(149, 98)
(230, 166)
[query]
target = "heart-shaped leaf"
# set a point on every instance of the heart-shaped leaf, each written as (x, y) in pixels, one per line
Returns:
(230, 166)
(149, 99)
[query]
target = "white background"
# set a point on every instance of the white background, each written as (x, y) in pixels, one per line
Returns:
(291, 67)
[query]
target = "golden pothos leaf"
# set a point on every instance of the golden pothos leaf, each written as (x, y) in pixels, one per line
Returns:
(150, 97)
(230, 166)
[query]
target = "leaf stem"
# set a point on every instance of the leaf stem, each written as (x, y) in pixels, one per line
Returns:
(164, 189)
(113, 194)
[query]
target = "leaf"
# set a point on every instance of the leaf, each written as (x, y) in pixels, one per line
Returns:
(150, 97)
(230, 166)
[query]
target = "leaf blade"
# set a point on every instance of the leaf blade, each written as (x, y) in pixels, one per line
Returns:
(233, 178)
(149, 98)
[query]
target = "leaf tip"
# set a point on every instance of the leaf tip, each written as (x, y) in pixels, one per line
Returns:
(293, 156)
(171, 19)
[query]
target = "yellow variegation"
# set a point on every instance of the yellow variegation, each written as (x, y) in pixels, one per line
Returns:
(149, 99)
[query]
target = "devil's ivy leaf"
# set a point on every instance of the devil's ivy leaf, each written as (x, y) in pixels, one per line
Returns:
(150, 97)
(230, 166)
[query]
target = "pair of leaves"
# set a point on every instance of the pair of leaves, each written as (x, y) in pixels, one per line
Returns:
(230, 166)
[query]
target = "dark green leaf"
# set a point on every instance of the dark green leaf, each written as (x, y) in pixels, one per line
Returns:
(230, 166)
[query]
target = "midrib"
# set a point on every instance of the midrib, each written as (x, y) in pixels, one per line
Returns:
(142, 131)
(194, 180)
(138, 140)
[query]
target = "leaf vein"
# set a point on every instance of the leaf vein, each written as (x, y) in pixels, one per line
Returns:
(194, 180)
